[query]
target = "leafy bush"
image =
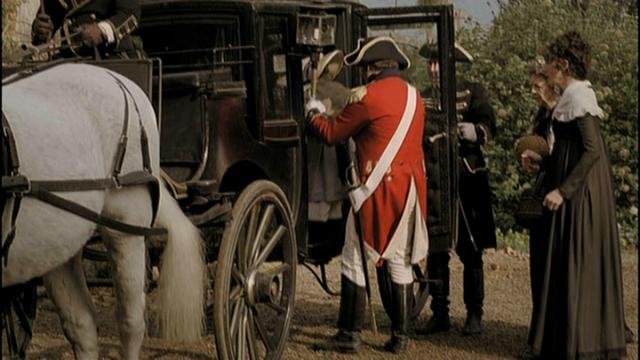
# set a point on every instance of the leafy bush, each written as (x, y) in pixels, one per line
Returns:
(519, 32)
(9, 36)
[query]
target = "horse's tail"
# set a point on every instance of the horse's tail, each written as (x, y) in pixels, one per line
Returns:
(182, 274)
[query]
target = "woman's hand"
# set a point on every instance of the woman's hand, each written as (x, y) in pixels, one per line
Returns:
(530, 161)
(553, 200)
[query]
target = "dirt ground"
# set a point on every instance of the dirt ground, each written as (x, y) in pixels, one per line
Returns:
(507, 310)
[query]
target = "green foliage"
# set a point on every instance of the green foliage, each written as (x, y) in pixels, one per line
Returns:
(9, 37)
(519, 33)
(516, 240)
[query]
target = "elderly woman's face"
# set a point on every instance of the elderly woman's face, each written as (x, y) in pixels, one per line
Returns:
(542, 91)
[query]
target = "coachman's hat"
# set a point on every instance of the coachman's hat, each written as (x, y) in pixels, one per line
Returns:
(430, 51)
(375, 49)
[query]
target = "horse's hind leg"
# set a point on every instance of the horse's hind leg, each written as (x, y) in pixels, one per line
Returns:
(128, 264)
(67, 288)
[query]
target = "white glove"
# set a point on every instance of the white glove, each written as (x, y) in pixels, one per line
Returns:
(314, 106)
(467, 131)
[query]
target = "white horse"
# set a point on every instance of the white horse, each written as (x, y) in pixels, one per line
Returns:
(67, 121)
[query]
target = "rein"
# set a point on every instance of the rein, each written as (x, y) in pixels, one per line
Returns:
(19, 185)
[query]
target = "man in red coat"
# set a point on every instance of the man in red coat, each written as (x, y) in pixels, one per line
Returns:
(386, 120)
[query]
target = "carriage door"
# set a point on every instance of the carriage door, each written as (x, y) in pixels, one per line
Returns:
(280, 126)
(412, 27)
(280, 105)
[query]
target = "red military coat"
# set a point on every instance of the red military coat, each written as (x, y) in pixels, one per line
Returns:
(371, 122)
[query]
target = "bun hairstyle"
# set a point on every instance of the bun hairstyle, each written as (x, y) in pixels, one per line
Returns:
(571, 47)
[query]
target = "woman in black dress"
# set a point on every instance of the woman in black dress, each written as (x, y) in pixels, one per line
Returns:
(547, 96)
(581, 305)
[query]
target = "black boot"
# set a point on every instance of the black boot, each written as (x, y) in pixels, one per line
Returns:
(473, 299)
(439, 289)
(353, 301)
(401, 303)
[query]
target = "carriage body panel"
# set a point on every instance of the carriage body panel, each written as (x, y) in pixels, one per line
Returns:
(233, 70)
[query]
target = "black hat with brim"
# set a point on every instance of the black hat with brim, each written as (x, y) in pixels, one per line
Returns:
(375, 49)
(430, 51)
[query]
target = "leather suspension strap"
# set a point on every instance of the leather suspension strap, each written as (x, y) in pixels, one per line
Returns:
(12, 164)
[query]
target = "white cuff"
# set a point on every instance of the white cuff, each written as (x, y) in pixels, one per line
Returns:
(107, 31)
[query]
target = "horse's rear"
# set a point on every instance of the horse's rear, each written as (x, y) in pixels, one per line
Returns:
(67, 122)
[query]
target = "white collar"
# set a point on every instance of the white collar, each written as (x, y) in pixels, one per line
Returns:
(577, 100)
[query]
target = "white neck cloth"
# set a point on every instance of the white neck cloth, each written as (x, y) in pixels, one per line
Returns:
(577, 100)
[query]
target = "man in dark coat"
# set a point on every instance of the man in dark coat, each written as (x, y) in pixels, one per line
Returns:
(476, 226)
(103, 24)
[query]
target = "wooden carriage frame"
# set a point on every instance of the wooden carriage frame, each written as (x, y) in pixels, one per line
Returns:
(229, 175)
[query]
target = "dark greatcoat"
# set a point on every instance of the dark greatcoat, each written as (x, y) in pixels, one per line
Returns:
(475, 193)
(114, 11)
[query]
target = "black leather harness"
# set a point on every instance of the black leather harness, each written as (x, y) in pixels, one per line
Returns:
(17, 185)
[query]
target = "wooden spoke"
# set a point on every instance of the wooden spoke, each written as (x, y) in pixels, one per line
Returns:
(234, 318)
(277, 307)
(254, 352)
(275, 238)
(262, 229)
(251, 229)
(237, 275)
(240, 339)
(235, 294)
(278, 269)
(263, 334)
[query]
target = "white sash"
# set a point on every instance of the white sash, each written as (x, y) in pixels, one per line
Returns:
(360, 194)
(411, 232)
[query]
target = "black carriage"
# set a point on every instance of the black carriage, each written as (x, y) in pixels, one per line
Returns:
(226, 79)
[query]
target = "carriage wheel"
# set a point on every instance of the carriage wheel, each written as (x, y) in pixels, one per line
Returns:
(255, 276)
(18, 313)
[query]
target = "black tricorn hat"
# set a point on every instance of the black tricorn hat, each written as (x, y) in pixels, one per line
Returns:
(430, 51)
(375, 49)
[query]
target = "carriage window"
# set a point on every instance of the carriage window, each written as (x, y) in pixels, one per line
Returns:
(196, 44)
(275, 68)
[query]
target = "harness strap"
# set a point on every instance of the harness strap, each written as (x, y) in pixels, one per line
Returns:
(10, 155)
(4, 252)
(144, 140)
(21, 184)
(91, 215)
(10, 143)
(42, 190)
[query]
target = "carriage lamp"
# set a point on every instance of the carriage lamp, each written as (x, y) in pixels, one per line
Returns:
(317, 30)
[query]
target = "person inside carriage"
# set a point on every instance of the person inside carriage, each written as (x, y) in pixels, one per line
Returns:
(327, 186)
(386, 223)
(100, 28)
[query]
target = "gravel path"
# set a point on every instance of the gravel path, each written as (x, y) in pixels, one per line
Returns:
(507, 310)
